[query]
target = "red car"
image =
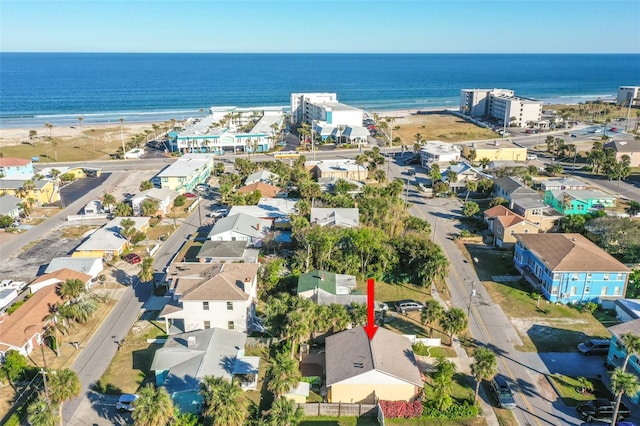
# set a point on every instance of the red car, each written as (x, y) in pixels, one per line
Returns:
(132, 258)
(189, 195)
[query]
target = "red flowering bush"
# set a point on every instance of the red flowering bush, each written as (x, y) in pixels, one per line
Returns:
(407, 410)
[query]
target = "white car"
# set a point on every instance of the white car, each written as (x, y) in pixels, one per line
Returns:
(531, 156)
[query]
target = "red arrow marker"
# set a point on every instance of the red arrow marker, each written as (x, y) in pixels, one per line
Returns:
(371, 326)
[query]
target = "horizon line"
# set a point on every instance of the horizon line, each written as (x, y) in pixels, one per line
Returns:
(325, 53)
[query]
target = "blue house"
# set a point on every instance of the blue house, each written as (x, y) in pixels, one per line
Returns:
(186, 358)
(10, 166)
(618, 352)
(568, 268)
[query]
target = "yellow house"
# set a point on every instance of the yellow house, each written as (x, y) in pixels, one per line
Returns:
(498, 150)
(359, 370)
(43, 191)
(108, 241)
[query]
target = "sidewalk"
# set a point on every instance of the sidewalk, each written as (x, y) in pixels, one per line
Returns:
(463, 363)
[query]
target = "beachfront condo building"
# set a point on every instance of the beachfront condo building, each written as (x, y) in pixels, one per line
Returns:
(230, 129)
(628, 95)
(325, 108)
(501, 104)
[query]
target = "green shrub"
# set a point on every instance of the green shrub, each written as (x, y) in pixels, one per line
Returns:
(11, 309)
(455, 412)
(421, 349)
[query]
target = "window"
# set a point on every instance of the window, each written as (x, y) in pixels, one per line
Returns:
(588, 275)
(205, 306)
(620, 276)
(605, 277)
(556, 277)
(587, 289)
(554, 291)
(230, 325)
(574, 276)
(207, 325)
(616, 291)
(573, 290)
(604, 291)
(229, 306)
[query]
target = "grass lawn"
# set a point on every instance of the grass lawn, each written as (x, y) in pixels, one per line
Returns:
(437, 126)
(567, 388)
(543, 326)
(131, 366)
(389, 293)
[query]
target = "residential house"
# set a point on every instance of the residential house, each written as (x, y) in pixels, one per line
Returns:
(240, 227)
(92, 208)
(546, 218)
(578, 201)
(87, 265)
(164, 197)
(24, 329)
(559, 183)
(629, 147)
(343, 168)
(108, 240)
(185, 359)
(568, 268)
(359, 370)
(437, 152)
(264, 176)
(627, 309)
(463, 173)
(618, 352)
(59, 277)
(497, 150)
(266, 190)
(189, 171)
(226, 251)
(15, 166)
(341, 217)
(326, 288)
(505, 224)
(205, 295)
(276, 210)
(10, 206)
(43, 191)
(512, 189)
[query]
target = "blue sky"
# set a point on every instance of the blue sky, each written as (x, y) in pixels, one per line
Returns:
(352, 26)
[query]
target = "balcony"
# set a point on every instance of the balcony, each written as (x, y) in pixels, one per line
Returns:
(530, 277)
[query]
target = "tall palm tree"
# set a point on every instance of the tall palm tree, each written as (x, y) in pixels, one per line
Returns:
(284, 412)
(108, 200)
(631, 343)
(153, 407)
(622, 384)
(431, 313)
(49, 126)
(80, 120)
(225, 404)
(454, 321)
(283, 374)
(297, 328)
(484, 367)
(56, 327)
(72, 289)
(360, 160)
(39, 413)
(472, 186)
(63, 385)
(122, 137)
(146, 272)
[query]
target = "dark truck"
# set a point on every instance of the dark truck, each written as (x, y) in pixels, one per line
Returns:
(601, 409)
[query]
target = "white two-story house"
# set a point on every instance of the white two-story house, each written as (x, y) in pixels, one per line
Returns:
(205, 295)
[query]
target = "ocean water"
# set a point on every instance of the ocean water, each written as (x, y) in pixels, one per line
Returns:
(103, 87)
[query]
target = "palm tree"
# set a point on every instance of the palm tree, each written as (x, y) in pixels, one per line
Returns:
(225, 404)
(83, 309)
(153, 407)
(40, 414)
(360, 160)
(442, 381)
(472, 186)
(63, 385)
(431, 313)
(54, 146)
(298, 327)
(80, 120)
(631, 343)
(622, 384)
(72, 289)
(284, 412)
(283, 374)
(484, 367)
(122, 137)
(146, 272)
(108, 200)
(454, 321)
(56, 327)
(49, 126)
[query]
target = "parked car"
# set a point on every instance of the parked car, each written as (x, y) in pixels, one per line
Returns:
(601, 409)
(132, 258)
(380, 306)
(125, 402)
(189, 195)
(502, 392)
(531, 156)
(404, 306)
(282, 143)
(595, 347)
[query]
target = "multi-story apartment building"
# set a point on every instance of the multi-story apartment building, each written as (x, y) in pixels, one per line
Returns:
(628, 94)
(501, 104)
(323, 107)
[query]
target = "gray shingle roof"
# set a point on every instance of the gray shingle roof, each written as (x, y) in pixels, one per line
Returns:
(243, 224)
(351, 353)
(8, 203)
(632, 327)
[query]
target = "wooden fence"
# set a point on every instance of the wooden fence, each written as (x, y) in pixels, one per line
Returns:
(339, 410)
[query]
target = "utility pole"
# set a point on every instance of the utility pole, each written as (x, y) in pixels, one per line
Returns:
(46, 389)
(472, 294)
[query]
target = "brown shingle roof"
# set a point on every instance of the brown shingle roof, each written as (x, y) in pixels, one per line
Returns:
(570, 252)
(498, 210)
(63, 275)
(29, 318)
(265, 189)
(510, 220)
(213, 282)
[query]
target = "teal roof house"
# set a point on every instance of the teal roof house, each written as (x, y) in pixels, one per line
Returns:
(578, 201)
